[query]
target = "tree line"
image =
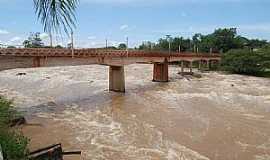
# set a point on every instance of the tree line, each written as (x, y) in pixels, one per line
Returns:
(240, 54)
(220, 41)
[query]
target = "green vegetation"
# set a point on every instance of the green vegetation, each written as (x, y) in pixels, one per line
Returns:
(33, 41)
(122, 46)
(243, 61)
(220, 41)
(239, 54)
(56, 15)
(13, 143)
(11, 47)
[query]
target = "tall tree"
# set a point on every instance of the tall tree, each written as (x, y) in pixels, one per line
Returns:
(122, 46)
(224, 39)
(56, 15)
(33, 41)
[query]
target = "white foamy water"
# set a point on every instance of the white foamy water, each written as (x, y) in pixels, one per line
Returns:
(107, 139)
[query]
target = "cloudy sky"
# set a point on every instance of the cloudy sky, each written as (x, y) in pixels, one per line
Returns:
(140, 20)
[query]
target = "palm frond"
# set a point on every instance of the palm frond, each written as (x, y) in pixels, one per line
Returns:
(56, 15)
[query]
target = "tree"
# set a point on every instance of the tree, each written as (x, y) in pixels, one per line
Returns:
(207, 44)
(221, 40)
(56, 15)
(58, 46)
(243, 61)
(11, 47)
(111, 47)
(147, 46)
(33, 41)
(196, 39)
(256, 43)
(122, 46)
(163, 44)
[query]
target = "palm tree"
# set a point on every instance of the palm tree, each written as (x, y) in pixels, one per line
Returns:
(56, 15)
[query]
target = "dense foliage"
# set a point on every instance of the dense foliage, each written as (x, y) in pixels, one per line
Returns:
(239, 54)
(222, 40)
(122, 46)
(245, 61)
(13, 143)
(33, 41)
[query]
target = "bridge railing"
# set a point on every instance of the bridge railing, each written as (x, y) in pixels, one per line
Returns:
(53, 52)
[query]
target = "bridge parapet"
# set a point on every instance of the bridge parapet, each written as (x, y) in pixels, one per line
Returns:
(52, 52)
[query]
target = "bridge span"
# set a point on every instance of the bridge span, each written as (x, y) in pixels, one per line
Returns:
(115, 59)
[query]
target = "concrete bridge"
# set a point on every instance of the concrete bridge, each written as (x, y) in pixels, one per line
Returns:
(115, 59)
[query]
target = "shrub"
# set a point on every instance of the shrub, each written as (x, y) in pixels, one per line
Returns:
(243, 61)
(13, 143)
(7, 112)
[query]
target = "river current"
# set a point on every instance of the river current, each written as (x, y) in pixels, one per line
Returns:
(217, 116)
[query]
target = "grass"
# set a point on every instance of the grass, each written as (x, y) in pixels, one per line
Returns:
(13, 143)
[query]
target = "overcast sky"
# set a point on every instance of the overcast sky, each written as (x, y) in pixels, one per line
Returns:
(140, 20)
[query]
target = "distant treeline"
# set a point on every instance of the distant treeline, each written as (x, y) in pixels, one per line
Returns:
(240, 55)
(221, 41)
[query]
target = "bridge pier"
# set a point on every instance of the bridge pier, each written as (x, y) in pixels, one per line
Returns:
(36, 62)
(208, 65)
(161, 72)
(190, 66)
(200, 65)
(117, 79)
(182, 67)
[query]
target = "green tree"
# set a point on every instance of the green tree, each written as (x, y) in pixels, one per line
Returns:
(196, 41)
(207, 43)
(256, 43)
(147, 46)
(33, 41)
(224, 39)
(243, 61)
(56, 15)
(122, 46)
(58, 46)
(163, 44)
(11, 47)
(221, 40)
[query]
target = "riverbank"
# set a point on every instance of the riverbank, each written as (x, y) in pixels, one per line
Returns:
(217, 116)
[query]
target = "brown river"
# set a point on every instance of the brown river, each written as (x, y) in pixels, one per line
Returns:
(215, 117)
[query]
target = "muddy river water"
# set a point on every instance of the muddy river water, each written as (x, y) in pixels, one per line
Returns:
(217, 116)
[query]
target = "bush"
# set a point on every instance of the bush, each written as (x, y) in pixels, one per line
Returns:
(7, 112)
(243, 61)
(13, 143)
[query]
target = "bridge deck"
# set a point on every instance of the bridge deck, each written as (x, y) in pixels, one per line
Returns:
(29, 57)
(83, 53)
(116, 59)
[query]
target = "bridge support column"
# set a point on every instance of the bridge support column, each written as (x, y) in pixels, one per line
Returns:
(161, 72)
(36, 62)
(200, 65)
(190, 66)
(117, 79)
(208, 65)
(182, 67)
